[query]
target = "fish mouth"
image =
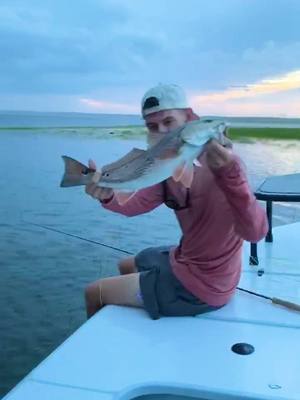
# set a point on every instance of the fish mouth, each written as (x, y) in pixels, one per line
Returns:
(215, 124)
(222, 126)
(219, 126)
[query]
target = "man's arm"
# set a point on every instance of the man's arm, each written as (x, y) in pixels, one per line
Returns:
(142, 202)
(250, 219)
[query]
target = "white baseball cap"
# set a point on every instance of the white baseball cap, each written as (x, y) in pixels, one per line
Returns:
(163, 97)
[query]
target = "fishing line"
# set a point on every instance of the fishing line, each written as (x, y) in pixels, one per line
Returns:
(77, 237)
(274, 300)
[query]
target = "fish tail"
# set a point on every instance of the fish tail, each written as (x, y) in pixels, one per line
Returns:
(76, 173)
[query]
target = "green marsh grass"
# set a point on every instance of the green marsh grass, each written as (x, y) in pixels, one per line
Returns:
(265, 133)
(135, 132)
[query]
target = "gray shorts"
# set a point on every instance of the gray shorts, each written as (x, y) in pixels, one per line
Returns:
(162, 292)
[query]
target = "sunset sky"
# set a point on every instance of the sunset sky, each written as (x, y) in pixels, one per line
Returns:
(233, 57)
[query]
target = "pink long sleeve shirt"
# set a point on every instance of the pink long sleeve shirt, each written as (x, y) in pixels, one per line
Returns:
(223, 212)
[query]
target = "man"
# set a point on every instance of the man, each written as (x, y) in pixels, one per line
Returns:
(216, 214)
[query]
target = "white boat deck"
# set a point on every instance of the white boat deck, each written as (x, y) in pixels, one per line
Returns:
(122, 354)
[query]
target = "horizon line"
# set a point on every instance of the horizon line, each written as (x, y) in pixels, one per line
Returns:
(138, 115)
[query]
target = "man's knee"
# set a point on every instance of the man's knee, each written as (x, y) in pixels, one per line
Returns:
(93, 301)
(92, 293)
(127, 266)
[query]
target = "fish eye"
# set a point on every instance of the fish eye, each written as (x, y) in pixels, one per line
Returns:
(85, 171)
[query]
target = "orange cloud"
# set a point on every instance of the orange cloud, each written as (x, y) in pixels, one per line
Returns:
(282, 83)
(106, 106)
(254, 99)
(258, 108)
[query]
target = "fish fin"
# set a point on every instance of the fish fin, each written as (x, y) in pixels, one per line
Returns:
(184, 174)
(75, 173)
(187, 177)
(123, 197)
(178, 172)
(197, 163)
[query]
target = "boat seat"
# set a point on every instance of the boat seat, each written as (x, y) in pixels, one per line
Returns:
(281, 188)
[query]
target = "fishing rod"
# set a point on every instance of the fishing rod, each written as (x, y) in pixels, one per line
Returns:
(274, 300)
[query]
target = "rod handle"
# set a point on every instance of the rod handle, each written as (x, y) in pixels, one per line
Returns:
(287, 304)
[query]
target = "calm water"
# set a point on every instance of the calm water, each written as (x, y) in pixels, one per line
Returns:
(43, 274)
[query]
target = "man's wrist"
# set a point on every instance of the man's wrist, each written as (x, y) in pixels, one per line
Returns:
(230, 170)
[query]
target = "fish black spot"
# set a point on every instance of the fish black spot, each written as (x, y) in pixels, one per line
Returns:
(207, 120)
(87, 171)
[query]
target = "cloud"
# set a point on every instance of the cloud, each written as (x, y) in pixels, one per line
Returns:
(106, 106)
(116, 49)
(287, 82)
(278, 108)
(52, 53)
(274, 96)
(16, 17)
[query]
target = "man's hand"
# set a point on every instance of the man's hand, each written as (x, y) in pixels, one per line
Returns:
(217, 156)
(93, 189)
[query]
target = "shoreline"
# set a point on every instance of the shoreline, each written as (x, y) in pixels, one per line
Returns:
(136, 131)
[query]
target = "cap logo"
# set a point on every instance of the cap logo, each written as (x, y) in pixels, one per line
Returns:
(151, 102)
